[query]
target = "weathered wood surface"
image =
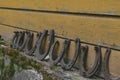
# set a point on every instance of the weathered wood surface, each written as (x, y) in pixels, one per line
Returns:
(91, 29)
(82, 6)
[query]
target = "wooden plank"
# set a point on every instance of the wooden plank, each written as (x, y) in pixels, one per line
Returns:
(92, 29)
(82, 6)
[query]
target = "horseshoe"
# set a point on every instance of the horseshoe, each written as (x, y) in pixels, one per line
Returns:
(14, 39)
(107, 74)
(31, 51)
(24, 38)
(88, 73)
(70, 64)
(106, 71)
(40, 51)
(20, 39)
(55, 59)
(29, 42)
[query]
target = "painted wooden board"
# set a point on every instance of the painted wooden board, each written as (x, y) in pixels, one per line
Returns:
(82, 6)
(92, 29)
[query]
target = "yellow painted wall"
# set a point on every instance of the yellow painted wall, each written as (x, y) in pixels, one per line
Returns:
(90, 6)
(95, 29)
(91, 29)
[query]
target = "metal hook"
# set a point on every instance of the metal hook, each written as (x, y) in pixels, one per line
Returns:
(70, 64)
(40, 51)
(97, 64)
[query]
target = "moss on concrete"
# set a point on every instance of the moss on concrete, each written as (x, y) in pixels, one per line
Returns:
(19, 61)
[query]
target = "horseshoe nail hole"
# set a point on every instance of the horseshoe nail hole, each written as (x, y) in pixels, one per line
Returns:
(114, 63)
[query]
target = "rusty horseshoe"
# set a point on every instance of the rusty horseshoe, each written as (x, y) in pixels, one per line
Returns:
(42, 51)
(68, 65)
(97, 64)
